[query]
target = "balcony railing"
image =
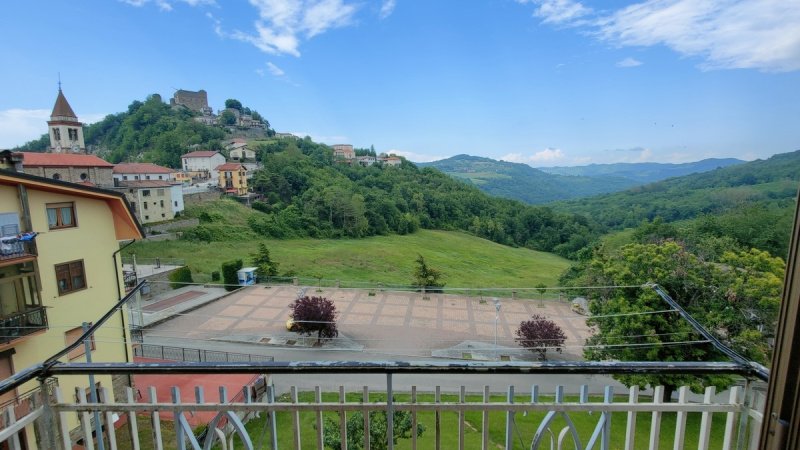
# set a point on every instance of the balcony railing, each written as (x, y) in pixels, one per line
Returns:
(16, 252)
(22, 324)
(295, 415)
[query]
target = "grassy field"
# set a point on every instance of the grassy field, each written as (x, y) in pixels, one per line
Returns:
(465, 260)
(524, 426)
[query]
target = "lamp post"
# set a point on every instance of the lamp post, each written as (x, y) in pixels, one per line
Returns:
(496, 318)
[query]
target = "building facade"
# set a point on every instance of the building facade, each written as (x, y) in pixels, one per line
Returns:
(344, 151)
(233, 178)
(202, 164)
(82, 169)
(142, 171)
(59, 279)
(152, 200)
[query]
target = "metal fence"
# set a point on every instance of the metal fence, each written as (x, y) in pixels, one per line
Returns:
(193, 354)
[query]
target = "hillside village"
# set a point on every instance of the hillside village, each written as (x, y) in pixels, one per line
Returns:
(156, 193)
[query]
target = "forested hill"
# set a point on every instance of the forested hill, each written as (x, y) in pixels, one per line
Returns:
(148, 131)
(643, 173)
(751, 202)
(307, 194)
(523, 182)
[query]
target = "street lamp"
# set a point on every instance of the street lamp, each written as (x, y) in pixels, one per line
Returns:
(496, 318)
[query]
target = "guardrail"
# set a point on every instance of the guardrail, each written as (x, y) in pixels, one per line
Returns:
(170, 353)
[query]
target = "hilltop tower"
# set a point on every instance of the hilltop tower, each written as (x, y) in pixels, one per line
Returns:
(66, 132)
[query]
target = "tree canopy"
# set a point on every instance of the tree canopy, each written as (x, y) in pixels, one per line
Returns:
(311, 315)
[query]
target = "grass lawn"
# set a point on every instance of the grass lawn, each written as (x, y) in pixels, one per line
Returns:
(465, 260)
(524, 428)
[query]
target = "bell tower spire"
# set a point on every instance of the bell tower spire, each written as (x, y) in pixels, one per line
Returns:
(66, 132)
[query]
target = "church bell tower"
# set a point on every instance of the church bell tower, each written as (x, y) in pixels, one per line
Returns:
(66, 133)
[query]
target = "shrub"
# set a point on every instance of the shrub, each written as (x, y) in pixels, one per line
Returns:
(215, 275)
(229, 277)
(179, 277)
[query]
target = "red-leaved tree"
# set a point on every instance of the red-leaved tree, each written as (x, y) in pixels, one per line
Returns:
(540, 334)
(314, 314)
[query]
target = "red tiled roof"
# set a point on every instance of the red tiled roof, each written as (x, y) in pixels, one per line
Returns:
(230, 166)
(62, 160)
(62, 108)
(141, 168)
(200, 154)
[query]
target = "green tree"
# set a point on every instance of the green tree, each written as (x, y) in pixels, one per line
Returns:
(427, 277)
(227, 118)
(726, 299)
(233, 104)
(378, 427)
(261, 259)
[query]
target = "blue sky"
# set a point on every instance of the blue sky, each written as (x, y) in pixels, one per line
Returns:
(544, 82)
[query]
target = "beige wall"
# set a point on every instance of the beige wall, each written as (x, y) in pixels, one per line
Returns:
(101, 176)
(93, 240)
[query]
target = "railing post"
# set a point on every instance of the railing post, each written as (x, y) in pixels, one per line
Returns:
(48, 427)
(741, 435)
(272, 425)
(389, 413)
(510, 420)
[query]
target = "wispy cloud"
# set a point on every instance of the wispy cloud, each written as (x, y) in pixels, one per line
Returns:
(558, 11)
(18, 126)
(725, 34)
(387, 8)
(167, 5)
(275, 70)
(283, 24)
(629, 62)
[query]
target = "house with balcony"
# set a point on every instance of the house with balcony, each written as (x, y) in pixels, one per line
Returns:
(202, 164)
(233, 178)
(58, 270)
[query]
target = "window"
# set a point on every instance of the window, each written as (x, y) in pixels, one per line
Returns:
(56, 176)
(176, 203)
(73, 335)
(56, 134)
(146, 193)
(160, 192)
(146, 217)
(162, 203)
(163, 215)
(70, 277)
(84, 176)
(144, 205)
(61, 215)
(147, 177)
(73, 134)
(124, 177)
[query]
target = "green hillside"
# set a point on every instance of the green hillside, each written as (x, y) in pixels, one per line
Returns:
(751, 203)
(643, 173)
(523, 182)
(465, 260)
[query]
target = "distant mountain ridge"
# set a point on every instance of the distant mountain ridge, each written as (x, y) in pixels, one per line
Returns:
(536, 186)
(646, 172)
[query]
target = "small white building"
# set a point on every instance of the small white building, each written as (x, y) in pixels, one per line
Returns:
(142, 171)
(203, 164)
(367, 160)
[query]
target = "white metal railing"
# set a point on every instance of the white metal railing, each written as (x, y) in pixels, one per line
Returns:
(550, 422)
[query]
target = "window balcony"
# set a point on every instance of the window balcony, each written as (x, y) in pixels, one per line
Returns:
(16, 253)
(292, 412)
(20, 325)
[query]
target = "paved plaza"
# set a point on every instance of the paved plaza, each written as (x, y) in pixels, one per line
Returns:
(385, 322)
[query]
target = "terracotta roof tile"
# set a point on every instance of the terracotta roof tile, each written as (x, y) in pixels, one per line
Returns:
(200, 154)
(62, 160)
(141, 168)
(230, 166)
(62, 108)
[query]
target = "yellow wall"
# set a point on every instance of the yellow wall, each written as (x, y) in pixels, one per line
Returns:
(93, 241)
(239, 180)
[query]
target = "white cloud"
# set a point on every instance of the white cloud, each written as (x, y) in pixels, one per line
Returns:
(725, 34)
(283, 23)
(415, 157)
(275, 70)
(629, 62)
(18, 126)
(387, 8)
(548, 156)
